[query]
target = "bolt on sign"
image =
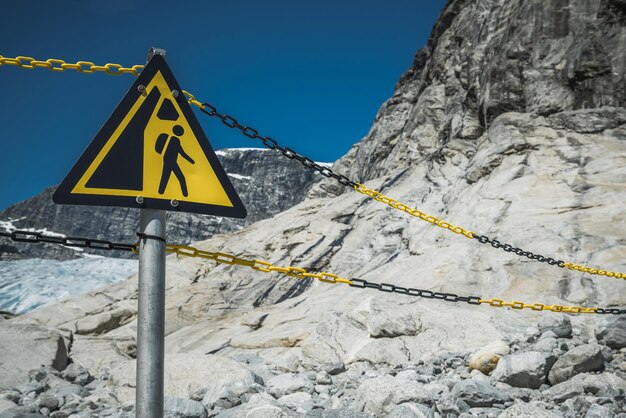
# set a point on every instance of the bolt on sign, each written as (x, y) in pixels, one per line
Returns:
(152, 154)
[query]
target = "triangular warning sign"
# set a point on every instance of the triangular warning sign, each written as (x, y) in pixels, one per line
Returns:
(152, 153)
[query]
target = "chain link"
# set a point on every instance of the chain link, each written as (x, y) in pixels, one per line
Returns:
(96, 244)
(60, 65)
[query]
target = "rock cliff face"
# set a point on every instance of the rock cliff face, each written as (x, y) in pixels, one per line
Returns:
(511, 122)
(486, 58)
(266, 183)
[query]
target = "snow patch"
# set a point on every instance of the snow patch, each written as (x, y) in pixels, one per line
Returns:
(239, 176)
(224, 151)
(9, 227)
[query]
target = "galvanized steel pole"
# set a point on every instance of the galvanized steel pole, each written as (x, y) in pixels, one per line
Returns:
(151, 311)
(151, 316)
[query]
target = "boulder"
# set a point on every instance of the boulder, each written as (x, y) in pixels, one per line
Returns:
(388, 319)
(546, 344)
(559, 324)
(603, 384)
(211, 378)
(575, 407)
(260, 405)
(103, 322)
(580, 359)
(598, 411)
(323, 378)
(528, 410)
(380, 395)
(336, 413)
(284, 384)
(298, 401)
(524, 370)
(612, 332)
(183, 408)
(411, 410)
(478, 394)
(6, 404)
(25, 347)
(486, 358)
(15, 414)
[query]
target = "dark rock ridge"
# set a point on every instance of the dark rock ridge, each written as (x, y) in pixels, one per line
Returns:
(266, 182)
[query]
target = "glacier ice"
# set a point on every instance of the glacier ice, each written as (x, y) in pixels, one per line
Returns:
(29, 284)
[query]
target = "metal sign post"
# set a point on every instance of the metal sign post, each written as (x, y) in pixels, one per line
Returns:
(151, 310)
(151, 315)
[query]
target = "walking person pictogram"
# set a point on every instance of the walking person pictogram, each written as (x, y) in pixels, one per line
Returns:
(171, 148)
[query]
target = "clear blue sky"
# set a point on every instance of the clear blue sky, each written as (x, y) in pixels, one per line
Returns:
(311, 74)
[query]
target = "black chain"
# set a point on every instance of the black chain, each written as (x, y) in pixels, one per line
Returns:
(390, 288)
(96, 244)
(510, 249)
(270, 143)
(612, 311)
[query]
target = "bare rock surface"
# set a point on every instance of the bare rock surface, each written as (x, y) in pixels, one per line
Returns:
(24, 347)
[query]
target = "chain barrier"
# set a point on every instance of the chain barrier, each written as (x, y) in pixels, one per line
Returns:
(271, 143)
(299, 273)
(250, 132)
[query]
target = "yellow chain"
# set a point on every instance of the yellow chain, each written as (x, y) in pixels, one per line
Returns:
(378, 196)
(499, 303)
(260, 265)
(590, 270)
(60, 65)
(300, 273)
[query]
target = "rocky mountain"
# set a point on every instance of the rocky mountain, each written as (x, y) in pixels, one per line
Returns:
(266, 183)
(512, 123)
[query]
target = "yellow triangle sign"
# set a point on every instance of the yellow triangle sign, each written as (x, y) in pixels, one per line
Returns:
(152, 153)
